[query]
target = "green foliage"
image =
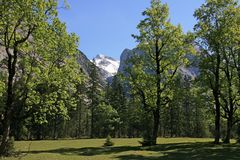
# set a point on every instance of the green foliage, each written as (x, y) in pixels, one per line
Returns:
(94, 94)
(116, 97)
(153, 72)
(108, 141)
(53, 99)
(187, 115)
(217, 36)
(107, 119)
(40, 85)
(157, 31)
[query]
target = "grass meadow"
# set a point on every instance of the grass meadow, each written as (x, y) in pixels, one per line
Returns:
(125, 149)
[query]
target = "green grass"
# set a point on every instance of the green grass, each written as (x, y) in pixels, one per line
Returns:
(92, 149)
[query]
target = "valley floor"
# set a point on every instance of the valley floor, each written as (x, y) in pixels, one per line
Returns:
(124, 149)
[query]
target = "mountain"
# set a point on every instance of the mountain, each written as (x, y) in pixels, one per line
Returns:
(85, 65)
(2, 53)
(107, 64)
(126, 55)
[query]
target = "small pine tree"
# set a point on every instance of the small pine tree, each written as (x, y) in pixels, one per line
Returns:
(108, 141)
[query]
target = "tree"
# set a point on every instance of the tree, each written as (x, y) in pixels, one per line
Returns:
(77, 116)
(38, 52)
(213, 28)
(19, 20)
(153, 72)
(116, 97)
(107, 119)
(94, 95)
(230, 68)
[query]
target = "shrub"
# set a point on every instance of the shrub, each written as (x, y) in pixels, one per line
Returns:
(238, 140)
(147, 139)
(147, 142)
(108, 141)
(238, 133)
(9, 148)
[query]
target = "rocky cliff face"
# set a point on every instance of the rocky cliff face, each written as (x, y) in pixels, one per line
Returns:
(126, 55)
(85, 65)
(2, 53)
(191, 71)
(107, 67)
(82, 59)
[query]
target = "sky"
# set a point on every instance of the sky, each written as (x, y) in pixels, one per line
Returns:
(105, 26)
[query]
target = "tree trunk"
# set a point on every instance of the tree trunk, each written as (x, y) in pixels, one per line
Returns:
(230, 101)
(171, 120)
(217, 103)
(5, 137)
(229, 128)
(92, 122)
(155, 127)
(55, 128)
(12, 60)
(39, 132)
(217, 121)
(230, 116)
(11, 67)
(87, 129)
(156, 113)
(79, 129)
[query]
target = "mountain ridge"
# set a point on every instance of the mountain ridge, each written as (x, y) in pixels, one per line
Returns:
(191, 71)
(106, 63)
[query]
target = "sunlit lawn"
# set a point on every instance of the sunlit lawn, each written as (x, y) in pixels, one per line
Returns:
(88, 149)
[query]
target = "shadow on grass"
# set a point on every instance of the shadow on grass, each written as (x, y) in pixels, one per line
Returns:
(179, 151)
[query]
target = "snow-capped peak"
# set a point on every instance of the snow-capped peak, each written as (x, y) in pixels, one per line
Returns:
(107, 63)
(100, 56)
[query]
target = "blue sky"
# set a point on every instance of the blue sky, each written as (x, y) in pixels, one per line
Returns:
(105, 26)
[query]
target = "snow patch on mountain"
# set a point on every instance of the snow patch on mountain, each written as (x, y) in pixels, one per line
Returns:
(107, 63)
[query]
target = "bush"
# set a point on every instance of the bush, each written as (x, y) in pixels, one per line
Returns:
(238, 133)
(108, 141)
(147, 139)
(238, 140)
(147, 142)
(9, 148)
